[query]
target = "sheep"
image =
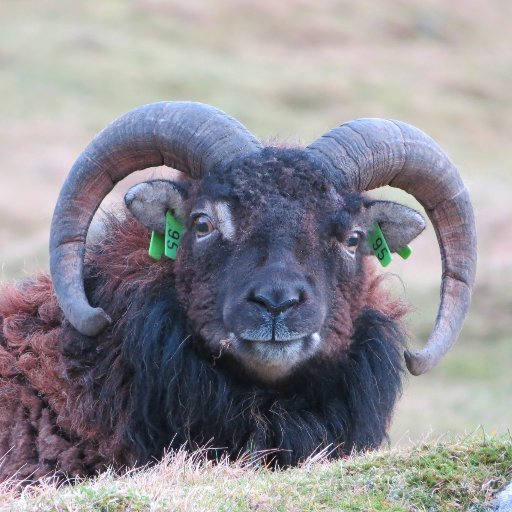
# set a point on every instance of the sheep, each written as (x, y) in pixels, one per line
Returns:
(270, 332)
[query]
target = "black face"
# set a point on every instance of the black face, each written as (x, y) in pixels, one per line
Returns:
(269, 249)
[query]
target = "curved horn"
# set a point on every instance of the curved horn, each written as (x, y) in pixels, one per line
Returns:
(371, 153)
(190, 137)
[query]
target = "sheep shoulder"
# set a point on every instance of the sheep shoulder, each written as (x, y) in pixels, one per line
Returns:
(45, 368)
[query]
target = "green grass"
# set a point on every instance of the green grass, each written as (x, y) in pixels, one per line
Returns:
(462, 474)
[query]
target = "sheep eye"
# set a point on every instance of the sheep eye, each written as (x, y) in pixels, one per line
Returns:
(203, 226)
(352, 241)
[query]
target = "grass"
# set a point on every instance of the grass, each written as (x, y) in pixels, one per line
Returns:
(459, 474)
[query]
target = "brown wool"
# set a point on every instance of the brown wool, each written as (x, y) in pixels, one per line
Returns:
(45, 422)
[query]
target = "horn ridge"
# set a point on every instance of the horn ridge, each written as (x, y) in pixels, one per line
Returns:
(188, 136)
(371, 153)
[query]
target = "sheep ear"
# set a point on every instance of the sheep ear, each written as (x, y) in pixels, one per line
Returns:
(149, 201)
(399, 224)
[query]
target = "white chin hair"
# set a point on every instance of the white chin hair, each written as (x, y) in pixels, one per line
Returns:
(273, 361)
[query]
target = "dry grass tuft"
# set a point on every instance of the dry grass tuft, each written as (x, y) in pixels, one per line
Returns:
(457, 474)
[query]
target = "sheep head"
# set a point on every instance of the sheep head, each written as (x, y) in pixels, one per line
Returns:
(288, 227)
(291, 243)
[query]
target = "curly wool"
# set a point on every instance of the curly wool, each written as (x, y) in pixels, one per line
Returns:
(75, 404)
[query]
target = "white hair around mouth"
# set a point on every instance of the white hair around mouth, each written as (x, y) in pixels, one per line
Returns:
(274, 360)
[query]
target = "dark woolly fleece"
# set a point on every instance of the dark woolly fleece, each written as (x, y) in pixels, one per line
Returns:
(74, 404)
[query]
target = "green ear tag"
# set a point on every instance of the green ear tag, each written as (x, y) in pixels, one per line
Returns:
(173, 232)
(156, 246)
(379, 246)
(404, 252)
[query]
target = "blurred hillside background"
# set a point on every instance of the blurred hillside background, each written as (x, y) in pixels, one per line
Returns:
(290, 69)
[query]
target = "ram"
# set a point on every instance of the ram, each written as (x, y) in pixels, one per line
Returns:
(269, 332)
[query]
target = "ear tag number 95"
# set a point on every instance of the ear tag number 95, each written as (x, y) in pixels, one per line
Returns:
(379, 246)
(168, 243)
(173, 233)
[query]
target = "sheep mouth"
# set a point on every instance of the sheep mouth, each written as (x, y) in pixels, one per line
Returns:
(273, 346)
(273, 340)
(273, 332)
(273, 359)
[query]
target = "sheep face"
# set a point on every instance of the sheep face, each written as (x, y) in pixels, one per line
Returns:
(271, 259)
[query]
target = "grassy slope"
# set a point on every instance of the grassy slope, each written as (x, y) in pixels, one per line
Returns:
(449, 476)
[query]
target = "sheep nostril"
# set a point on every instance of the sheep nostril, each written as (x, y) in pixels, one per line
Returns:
(277, 300)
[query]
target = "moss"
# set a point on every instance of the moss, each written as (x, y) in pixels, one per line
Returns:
(456, 475)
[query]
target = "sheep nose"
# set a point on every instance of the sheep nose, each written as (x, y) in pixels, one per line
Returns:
(277, 299)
